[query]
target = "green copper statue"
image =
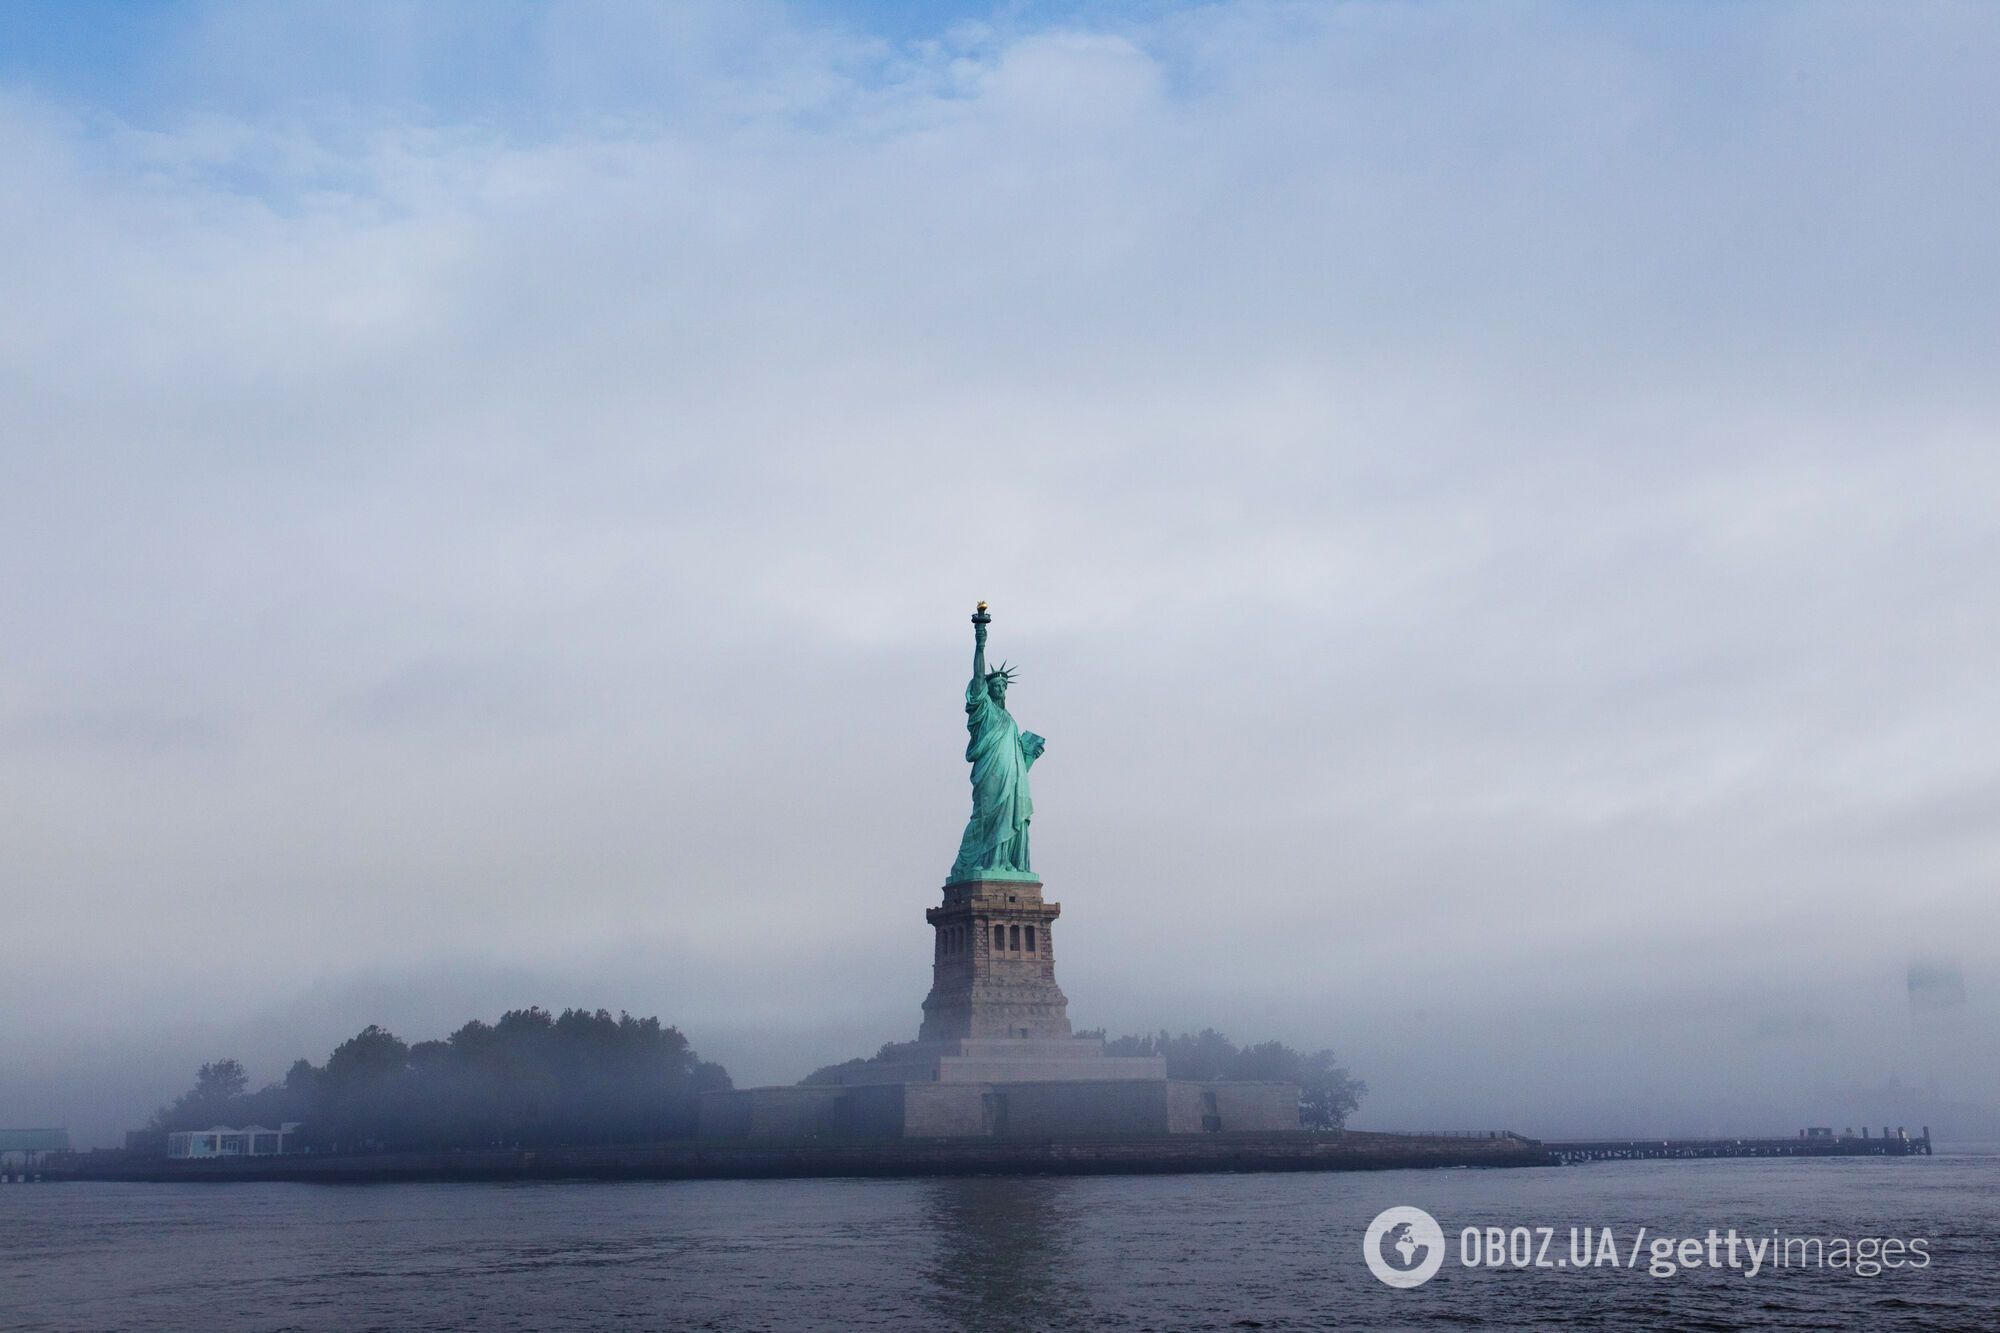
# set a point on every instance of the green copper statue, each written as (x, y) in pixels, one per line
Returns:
(995, 844)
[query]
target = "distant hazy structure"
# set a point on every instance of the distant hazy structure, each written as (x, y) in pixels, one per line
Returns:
(1935, 985)
(995, 1055)
(27, 1147)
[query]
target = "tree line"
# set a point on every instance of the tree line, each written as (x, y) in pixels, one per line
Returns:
(533, 1078)
(1328, 1094)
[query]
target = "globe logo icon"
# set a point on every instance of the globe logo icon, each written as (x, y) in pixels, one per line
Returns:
(1404, 1246)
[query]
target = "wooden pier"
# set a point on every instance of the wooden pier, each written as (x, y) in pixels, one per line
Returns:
(1808, 1143)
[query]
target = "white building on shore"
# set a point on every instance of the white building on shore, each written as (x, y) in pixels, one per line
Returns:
(222, 1141)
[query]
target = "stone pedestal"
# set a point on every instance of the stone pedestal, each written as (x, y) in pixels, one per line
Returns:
(993, 963)
(995, 1057)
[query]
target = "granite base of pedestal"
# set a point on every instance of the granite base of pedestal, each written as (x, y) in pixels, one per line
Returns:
(1000, 1088)
(1004, 1060)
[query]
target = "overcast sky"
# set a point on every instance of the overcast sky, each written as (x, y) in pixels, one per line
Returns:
(1497, 508)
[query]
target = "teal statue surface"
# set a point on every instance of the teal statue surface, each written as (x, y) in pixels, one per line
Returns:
(995, 845)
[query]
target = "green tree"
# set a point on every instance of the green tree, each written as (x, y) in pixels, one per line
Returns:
(220, 1080)
(581, 1076)
(214, 1099)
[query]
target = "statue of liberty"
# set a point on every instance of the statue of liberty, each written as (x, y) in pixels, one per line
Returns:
(996, 837)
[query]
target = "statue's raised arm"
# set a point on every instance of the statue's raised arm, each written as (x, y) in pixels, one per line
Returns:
(996, 837)
(980, 620)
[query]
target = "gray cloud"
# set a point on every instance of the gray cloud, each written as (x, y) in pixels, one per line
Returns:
(1494, 507)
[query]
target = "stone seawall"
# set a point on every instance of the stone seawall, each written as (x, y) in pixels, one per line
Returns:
(1161, 1154)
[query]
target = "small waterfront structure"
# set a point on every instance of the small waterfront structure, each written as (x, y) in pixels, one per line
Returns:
(223, 1141)
(27, 1147)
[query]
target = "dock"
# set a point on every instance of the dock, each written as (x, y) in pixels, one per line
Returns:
(1807, 1143)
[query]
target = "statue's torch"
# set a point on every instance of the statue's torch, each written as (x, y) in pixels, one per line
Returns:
(980, 617)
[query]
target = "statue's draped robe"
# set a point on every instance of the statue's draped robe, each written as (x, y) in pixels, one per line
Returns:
(996, 837)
